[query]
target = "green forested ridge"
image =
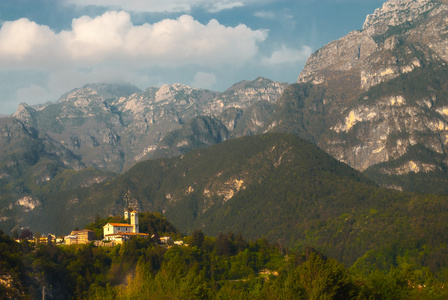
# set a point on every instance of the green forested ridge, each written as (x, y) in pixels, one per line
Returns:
(225, 267)
(283, 188)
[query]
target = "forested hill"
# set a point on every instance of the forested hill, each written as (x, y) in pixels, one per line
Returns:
(275, 185)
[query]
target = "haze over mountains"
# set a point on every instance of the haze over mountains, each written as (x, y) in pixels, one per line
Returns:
(376, 100)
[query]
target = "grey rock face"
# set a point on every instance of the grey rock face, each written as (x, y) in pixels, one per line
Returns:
(370, 52)
(111, 127)
(386, 91)
(395, 13)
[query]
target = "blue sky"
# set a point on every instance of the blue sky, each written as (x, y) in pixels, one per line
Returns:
(48, 47)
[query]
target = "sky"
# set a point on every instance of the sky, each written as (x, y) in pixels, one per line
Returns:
(49, 47)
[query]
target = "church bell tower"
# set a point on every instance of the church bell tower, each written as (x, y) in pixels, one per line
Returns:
(134, 221)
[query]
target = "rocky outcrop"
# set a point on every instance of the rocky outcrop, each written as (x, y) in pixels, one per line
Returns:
(394, 13)
(382, 50)
(385, 90)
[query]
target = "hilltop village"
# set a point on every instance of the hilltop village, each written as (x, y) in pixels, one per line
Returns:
(112, 234)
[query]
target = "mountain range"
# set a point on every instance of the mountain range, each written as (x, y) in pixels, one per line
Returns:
(376, 101)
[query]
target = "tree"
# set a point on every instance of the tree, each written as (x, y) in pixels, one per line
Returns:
(224, 244)
(26, 234)
(197, 238)
(324, 279)
(240, 243)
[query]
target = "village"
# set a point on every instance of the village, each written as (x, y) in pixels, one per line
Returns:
(113, 234)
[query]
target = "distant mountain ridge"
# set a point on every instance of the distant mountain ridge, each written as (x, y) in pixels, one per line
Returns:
(111, 127)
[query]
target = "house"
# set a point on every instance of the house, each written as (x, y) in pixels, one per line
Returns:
(83, 236)
(71, 240)
(164, 239)
(45, 239)
(121, 232)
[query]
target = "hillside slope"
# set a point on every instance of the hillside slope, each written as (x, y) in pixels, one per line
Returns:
(274, 185)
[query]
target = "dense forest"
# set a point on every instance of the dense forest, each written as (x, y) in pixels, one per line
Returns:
(222, 267)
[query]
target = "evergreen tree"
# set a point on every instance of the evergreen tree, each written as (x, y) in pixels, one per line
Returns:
(197, 238)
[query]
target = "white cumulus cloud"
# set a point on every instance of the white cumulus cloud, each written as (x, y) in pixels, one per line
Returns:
(287, 55)
(113, 38)
(23, 40)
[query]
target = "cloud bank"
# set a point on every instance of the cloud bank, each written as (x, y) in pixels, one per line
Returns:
(112, 38)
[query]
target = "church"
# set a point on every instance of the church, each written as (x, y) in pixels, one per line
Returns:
(121, 232)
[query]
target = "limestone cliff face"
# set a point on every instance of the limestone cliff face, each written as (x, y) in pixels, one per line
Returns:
(394, 13)
(384, 48)
(385, 89)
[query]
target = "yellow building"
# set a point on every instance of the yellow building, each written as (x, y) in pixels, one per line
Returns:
(76, 237)
(43, 240)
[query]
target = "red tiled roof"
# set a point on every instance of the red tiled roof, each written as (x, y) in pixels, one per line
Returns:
(119, 225)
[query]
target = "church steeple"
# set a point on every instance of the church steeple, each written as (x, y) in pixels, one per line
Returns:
(134, 221)
(127, 209)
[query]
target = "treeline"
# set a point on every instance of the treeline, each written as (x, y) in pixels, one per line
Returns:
(221, 267)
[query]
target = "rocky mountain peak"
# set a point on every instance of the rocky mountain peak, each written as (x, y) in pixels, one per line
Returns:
(168, 91)
(113, 91)
(105, 91)
(395, 13)
(384, 91)
(397, 38)
(25, 113)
